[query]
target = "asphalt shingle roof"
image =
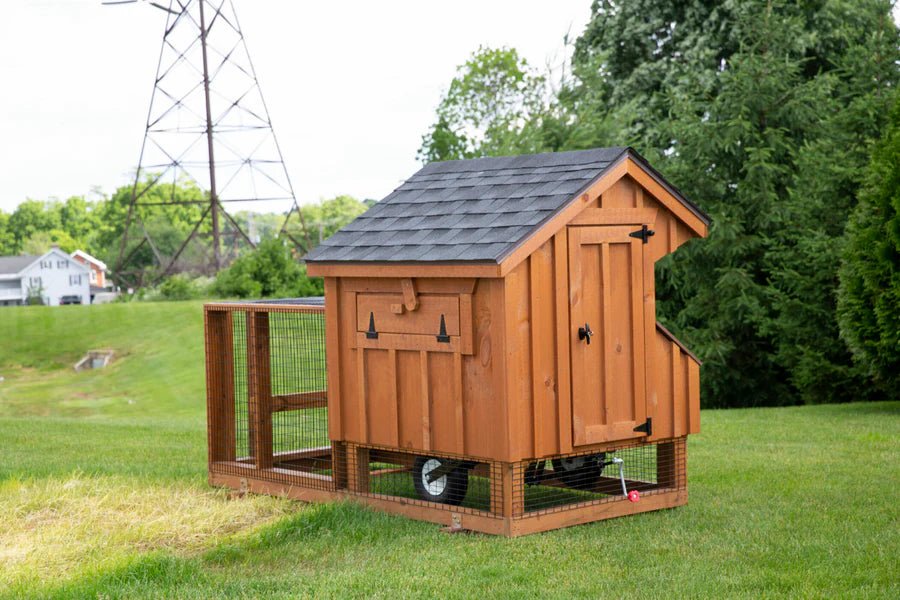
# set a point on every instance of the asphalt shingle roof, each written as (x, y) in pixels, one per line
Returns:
(10, 265)
(474, 210)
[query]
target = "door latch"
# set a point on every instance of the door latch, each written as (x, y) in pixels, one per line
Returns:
(585, 333)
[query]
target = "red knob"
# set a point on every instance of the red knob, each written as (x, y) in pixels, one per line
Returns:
(634, 495)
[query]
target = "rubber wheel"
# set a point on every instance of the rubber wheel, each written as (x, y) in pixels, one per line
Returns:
(579, 472)
(446, 489)
(534, 473)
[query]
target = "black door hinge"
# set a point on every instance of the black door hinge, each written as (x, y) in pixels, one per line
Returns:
(442, 334)
(371, 334)
(647, 427)
(644, 233)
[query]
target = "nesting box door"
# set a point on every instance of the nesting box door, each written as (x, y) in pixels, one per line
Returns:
(606, 275)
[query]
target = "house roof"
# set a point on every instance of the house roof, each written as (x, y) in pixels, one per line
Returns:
(11, 265)
(476, 210)
(89, 258)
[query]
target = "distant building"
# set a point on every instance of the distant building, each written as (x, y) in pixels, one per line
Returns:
(97, 267)
(55, 277)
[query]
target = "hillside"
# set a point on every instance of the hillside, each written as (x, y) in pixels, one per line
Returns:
(103, 493)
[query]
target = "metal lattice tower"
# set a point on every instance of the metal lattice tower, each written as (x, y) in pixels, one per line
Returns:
(208, 125)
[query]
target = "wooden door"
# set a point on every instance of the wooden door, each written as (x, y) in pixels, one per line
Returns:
(606, 275)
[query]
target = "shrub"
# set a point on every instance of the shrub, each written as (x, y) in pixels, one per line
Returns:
(179, 287)
(268, 271)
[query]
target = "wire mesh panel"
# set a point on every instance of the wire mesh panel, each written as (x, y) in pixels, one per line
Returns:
(583, 479)
(438, 481)
(267, 399)
(268, 432)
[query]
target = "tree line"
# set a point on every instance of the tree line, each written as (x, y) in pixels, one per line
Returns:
(781, 120)
(98, 227)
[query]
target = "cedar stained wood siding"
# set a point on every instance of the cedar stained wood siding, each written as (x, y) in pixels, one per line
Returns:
(408, 390)
(502, 388)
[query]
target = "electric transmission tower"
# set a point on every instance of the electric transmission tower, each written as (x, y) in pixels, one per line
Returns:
(207, 126)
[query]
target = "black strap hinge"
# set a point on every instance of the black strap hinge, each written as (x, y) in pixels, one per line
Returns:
(647, 427)
(644, 233)
(371, 334)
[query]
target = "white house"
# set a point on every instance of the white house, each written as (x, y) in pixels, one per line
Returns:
(55, 276)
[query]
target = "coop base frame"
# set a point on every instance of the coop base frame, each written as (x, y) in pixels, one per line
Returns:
(506, 516)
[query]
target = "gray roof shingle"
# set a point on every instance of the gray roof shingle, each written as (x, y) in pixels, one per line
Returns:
(475, 210)
(10, 265)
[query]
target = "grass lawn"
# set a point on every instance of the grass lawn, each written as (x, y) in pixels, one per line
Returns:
(103, 494)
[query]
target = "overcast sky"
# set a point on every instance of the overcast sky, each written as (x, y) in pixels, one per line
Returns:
(351, 86)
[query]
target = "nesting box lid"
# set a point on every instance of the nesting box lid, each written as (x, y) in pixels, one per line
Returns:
(479, 210)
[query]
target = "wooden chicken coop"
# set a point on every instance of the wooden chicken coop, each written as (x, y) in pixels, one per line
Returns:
(493, 357)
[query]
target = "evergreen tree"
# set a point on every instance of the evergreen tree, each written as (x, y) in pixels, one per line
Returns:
(869, 299)
(762, 112)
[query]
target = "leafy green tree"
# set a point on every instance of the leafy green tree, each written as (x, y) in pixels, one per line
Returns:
(869, 299)
(79, 219)
(7, 240)
(29, 218)
(493, 106)
(167, 224)
(632, 54)
(42, 241)
(324, 218)
(267, 271)
(762, 111)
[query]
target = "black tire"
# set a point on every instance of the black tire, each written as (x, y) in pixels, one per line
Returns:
(447, 489)
(580, 472)
(534, 473)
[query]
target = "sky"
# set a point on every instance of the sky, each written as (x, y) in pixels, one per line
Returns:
(351, 86)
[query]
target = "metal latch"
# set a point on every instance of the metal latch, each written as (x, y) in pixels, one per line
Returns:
(585, 333)
(633, 495)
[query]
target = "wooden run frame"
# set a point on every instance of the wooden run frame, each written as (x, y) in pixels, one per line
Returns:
(348, 471)
(506, 516)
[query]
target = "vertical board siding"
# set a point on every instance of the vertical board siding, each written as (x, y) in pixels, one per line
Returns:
(348, 373)
(679, 401)
(674, 386)
(518, 359)
(543, 356)
(563, 337)
(622, 194)
(333, 358)
(442, 402)
(693, 396)
(662, 387)
(480, 397)
(425, 401)
(379, 395)
(409, 404)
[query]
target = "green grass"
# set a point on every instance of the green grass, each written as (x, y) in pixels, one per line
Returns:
(103, 494)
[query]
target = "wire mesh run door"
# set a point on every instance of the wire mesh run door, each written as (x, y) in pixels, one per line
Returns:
(266, 386)
(606, 274)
